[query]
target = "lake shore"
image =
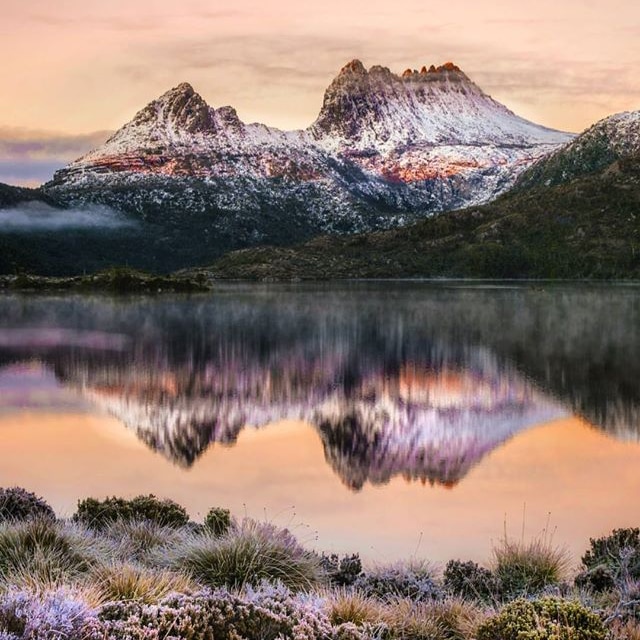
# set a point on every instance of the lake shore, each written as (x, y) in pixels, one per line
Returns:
(141, 569)
(119, 280)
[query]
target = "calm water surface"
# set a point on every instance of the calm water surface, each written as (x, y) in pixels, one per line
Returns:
(393, 419)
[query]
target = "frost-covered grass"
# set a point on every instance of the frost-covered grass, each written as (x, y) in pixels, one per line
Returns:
(143, 579)
(247, 554)
(527, 567)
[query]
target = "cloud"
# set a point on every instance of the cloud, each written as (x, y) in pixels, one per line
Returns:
(30, 157)
(37, 145)
(37, 216)
(28, 173)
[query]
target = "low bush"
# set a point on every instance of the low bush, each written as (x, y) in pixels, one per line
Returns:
(598, 579)
(619, 553)
(248, 555)
(97, 514)
(470, 580)
(19, 504)
(218, 521)
(543, 619)
(341, 572)
(527, 568)
(412, 580)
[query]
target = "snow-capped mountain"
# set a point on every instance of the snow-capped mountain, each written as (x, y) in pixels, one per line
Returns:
(384, 150)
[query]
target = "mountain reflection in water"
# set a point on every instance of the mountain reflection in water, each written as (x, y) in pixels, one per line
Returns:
(415, 380)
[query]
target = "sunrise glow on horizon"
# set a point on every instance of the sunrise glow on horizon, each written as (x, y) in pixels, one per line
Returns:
(78, 67)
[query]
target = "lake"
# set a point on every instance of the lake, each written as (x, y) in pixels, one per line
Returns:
(396, 419)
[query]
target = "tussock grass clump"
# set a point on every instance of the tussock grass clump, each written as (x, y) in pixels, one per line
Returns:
(543, 619)
(47, 551)
(141, 540)
(629, 630)
(19, 504)
(527, 568)
(246, 556)
(97, 514)
(130, 582)
(348, 606)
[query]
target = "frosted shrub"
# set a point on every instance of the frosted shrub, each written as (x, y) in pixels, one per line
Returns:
(543, 619)
(97, 514)
(55, 614)
(470, 580)
(268, 615)
(342, 571)
(407, 580)
(218, 521)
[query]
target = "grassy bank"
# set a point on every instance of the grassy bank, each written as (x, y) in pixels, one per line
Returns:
(142, 570)
(117, 280)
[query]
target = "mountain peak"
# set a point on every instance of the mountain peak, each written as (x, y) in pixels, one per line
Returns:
(180, 108)
(355, 67)
(183, 89)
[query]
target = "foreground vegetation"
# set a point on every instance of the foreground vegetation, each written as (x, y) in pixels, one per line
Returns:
(142, 570)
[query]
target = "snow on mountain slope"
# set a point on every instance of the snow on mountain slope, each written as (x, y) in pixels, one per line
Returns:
(180, 135)
(605, 142)
(384, 150)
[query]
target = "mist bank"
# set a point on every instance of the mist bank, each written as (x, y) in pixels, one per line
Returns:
(39, 216)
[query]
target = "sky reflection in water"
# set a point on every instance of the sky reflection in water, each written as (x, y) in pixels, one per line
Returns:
(384, 417)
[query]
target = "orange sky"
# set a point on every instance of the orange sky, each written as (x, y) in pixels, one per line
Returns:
(78, 66)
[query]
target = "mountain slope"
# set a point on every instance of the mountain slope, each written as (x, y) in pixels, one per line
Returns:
(587, 226)
(608, 140)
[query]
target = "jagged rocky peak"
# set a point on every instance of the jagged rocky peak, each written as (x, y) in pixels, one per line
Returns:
(228, 117)
(437, 105)
(180, 108)
(358, 97)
